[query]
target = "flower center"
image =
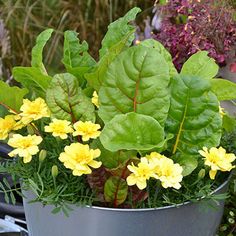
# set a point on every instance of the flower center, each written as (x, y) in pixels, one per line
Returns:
(83, 157)
(59, 128)
(25, 143)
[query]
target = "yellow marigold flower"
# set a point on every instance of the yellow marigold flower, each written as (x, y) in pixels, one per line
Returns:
(169, 173)
(95, 99)
(140, 174)
(33, 110)
(59, 128)
(80, 158)
(17, 118)
(87, 130)
(7, 124)
(217, 159)
(25, 146)
(154, 159)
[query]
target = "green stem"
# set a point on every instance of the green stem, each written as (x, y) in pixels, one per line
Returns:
(39, 168)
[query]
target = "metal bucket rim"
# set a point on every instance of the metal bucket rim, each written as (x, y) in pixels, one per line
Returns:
(157, 208)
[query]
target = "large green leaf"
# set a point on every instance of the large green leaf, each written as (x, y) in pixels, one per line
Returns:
(115, 190)
(76, 57)
(132, 131)
(151, 43)
(194, 116)
(117, 30)
(136, 81)
(32, 79)
(223, 89)
(112, 159)
(188, 162)
(11, 96)
(96, 78)
(37, 51)
(200, 64)
(3, 111)
(66, 99)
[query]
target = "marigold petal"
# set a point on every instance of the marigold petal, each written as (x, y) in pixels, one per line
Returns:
(95, 164)
(212, 174)
(131, 180)
(141, 184)
(27, 159)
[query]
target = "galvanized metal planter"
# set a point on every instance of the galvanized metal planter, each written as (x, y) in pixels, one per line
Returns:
(195, 219)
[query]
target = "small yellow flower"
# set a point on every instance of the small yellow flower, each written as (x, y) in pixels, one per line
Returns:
(140, 174)
(17, 118)
(217, 159)
(25, 146)
(95, 99)
(59, 128)
(154, 159)
(169, 173)
(34, 110)
(79, 158)
(7, 124)
(87, 130)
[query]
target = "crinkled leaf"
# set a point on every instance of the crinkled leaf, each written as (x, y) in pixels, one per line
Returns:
(96, 78)
(37, 51)
(137, 195)
(115, 190)
(151, 43)
(112, 159)
(32, 79)
(76, 53)
(132, 131)
(66, 99)
(223, 89)
(11, 96)
(76, 57)
(96, 181)
(117, 30)
(136, 81)
(121, 170)
(188, 162)
(194, 116)
(201, 65)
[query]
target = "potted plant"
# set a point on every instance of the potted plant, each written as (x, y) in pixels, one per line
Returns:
(125, 146)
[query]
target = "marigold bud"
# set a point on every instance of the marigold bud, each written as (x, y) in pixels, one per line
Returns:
(42, 155)
(30, 130)
(54, 171)
(201, 173)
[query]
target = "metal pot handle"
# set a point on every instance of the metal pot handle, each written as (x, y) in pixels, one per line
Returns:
(4, 150)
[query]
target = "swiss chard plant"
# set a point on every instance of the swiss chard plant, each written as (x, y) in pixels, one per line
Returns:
(127, 131)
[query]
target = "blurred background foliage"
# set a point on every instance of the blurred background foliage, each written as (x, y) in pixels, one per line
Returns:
(25, 19)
